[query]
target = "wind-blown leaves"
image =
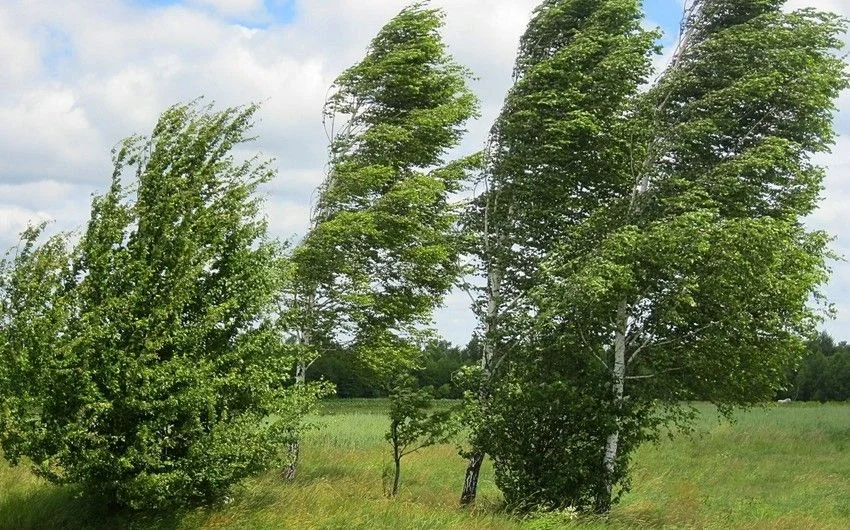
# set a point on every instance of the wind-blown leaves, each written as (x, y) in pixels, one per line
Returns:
(659, 231)
(383, 248)
(161, 377)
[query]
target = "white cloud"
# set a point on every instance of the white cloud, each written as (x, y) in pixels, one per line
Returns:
(44, 132)
(835, 6)
(18, 54)
(234, 8)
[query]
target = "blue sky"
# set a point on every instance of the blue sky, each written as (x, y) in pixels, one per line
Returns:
(665, 13)
(77, 76)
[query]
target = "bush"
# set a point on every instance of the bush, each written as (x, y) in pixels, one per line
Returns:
(546, 454)
(546, 426)
(154, 368)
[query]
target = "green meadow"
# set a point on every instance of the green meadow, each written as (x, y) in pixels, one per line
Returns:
(776, 467)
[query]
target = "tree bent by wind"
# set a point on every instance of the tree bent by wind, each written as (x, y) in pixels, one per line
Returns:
(679, 267)
(383, 247)
(146, 363)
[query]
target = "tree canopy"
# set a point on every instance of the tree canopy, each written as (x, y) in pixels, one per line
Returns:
(383, 250)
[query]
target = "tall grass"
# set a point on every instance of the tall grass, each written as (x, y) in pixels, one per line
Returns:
(778, 467)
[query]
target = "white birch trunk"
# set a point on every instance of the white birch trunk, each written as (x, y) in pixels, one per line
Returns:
(618, 390)
(473, 468)
(301, 366)
(301, 372)
(494, 285)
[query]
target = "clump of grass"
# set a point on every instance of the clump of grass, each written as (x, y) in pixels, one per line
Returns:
(773, 468)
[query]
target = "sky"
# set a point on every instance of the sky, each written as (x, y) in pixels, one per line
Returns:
(78, 76)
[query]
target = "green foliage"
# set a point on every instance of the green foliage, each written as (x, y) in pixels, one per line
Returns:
(546, 438)
(555, 155)
(578, 67)
(154, 375)
(691, 280)
(413, 426)
(710, 295)
(649, 243)
(350, 377)
(824, 374)
(383, 250)
(35, 310)
(438, 363)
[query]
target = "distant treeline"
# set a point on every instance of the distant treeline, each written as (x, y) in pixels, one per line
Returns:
(824, 375)
(441, 360)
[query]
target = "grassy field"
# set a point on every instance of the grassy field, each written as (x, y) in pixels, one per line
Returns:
(779, 467)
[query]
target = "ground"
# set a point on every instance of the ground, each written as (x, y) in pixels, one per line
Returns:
(775, 467)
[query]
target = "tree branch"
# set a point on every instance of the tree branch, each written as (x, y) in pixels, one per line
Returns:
(587, 344)
(652, 376)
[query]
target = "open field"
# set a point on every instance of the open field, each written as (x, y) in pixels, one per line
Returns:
(779, 467)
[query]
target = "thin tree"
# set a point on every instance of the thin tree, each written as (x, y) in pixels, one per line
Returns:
(413, 426)
(382, 250)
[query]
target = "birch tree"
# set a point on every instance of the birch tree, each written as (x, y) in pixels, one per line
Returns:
(382, 250)
(691, 278)
(578, 67)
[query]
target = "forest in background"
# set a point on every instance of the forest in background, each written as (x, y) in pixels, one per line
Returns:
(824, 373)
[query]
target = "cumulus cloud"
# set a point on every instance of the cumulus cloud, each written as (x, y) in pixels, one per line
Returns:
(234, 8)
(13, 219)
(76, 77)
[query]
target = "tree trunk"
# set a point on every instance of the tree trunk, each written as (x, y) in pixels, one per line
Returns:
(293, 448)
(397, 477)
(470, 482)
(396, 458)
(473, 468)
(604, 497)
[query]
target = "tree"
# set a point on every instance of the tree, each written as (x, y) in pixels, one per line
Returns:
(561, 126)
(440, 362)
(35, 308)
(690, 276)
(382, 250)
(154, 376)
(412, 426)
(824, 374)
(350, 377)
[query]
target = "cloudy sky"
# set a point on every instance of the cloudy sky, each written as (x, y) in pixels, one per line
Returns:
(76, 76)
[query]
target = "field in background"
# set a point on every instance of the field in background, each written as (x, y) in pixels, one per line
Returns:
(779, 467)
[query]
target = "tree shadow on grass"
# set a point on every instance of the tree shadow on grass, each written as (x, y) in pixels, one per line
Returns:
(37, 505)
(51, 507)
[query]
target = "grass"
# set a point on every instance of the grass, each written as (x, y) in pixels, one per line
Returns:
(778, 467)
